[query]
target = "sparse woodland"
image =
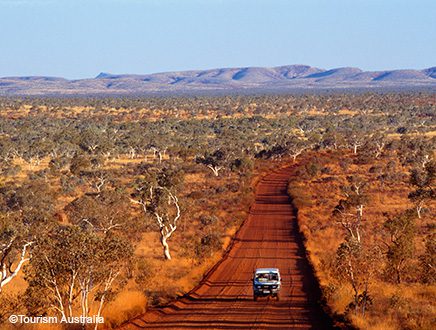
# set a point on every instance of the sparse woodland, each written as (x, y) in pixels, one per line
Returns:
(110, 205)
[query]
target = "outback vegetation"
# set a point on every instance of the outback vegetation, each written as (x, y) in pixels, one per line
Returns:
(115, 204)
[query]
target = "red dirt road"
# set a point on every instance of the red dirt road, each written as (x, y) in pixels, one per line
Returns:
(224, 299)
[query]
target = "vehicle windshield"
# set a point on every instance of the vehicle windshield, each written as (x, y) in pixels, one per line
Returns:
(265, 277)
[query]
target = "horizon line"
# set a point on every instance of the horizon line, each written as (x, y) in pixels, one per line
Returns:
(208, 69)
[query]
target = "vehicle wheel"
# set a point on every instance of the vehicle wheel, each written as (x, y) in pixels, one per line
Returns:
(255, 298)
(277, 297)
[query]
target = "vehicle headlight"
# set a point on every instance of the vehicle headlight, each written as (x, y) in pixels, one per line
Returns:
(274, 287)
(258, 286)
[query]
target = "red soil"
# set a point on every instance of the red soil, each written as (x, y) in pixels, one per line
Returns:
(224, 298)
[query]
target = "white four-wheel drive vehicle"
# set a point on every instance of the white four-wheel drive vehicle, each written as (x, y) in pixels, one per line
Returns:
(266, 282)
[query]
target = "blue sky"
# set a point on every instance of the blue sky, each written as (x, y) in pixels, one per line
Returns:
(80, 38)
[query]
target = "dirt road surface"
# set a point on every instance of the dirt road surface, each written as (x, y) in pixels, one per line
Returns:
(224, 299)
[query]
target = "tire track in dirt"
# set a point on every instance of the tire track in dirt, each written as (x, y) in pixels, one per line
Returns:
(224, 300)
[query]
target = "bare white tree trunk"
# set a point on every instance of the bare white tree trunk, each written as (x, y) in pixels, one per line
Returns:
(58, 296)
(296, 153)
(355, 146)
(167, 229)
(5, 278)
(215, 169)
(166, 247)
(301, 129)
(352, 222)
(380, 148)
(71, 292)
(132, 153)
(154, 152)
(167, 224)
(359, 209)
(425, 160)
(84, 295)
(107, 285)
(419, 208)
(353, 284)
(92, 147)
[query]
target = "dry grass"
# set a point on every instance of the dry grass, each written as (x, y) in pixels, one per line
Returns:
(179, 275)
(406, 306)
(123, 114)
(127, 304)
(166, 279)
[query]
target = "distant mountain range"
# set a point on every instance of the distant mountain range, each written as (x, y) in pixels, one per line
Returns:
(249, 79)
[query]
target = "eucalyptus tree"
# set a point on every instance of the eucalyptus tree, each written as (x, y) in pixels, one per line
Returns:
(73, 267)
(401, 245)
(103, 212)
(357, 264)
(416, 151)
(428, 260)
(349, 210)
(215, 161)
(156, 192)
(295, 146)
(15, 245)
(423, 180)
(355, 139)
(25, 212)
(333, 139)
(376, 144)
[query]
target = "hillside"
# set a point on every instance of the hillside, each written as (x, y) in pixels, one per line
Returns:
(282, 78)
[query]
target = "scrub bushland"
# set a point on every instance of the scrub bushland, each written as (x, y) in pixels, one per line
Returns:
(154, 188)
(370, 239)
